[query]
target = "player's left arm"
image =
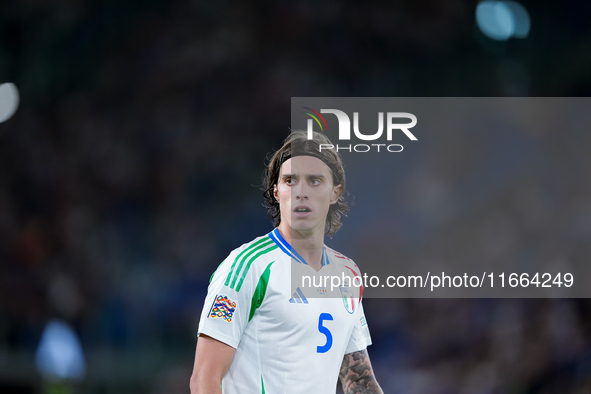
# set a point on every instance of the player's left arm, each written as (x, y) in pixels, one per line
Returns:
(357, 375)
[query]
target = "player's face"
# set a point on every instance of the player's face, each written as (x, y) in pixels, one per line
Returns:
(305, 192)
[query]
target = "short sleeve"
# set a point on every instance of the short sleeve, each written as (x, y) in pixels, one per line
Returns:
(360, 338)
(227, 304)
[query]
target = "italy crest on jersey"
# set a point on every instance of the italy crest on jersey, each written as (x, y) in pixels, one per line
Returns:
(223, 308)
(348, 298)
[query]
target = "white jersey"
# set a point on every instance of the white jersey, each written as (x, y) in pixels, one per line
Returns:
(285, 342)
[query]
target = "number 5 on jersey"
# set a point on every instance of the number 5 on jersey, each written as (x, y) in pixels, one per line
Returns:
(323, 330)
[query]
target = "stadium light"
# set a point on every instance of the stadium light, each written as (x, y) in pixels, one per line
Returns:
(501, 20)
(9, 99)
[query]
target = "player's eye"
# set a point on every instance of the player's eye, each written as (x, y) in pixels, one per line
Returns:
(289, 181)
(315, 181)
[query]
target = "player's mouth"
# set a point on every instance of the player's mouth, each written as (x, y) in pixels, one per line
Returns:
(302, 211)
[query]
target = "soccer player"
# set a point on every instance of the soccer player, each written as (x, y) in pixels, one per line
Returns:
(256, 335)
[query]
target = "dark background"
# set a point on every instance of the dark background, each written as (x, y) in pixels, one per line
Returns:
(131, 167)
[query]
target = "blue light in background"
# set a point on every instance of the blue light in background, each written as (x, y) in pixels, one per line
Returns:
(501, 20)
(521, 17)
(9, 99)
(59, 354)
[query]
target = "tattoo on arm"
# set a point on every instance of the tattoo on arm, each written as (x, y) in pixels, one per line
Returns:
(357, 376)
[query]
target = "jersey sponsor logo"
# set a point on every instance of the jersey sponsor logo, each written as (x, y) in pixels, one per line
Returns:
(348, 298)
(223, 308)
(298, 297)
(363, 321)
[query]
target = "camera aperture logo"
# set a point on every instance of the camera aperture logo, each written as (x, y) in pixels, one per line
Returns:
(345, 130)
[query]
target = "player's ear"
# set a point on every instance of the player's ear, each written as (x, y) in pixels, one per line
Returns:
(336, 193)
(275, 192)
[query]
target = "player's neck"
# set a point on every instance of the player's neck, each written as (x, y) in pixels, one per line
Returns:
(308, 244)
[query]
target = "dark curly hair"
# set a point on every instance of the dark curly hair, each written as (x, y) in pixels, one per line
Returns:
(298, 144)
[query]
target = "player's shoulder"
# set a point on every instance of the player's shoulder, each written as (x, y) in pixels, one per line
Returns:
(256, 244)
(341, 259)
(247, 259)
(338, 255)
(259, 249)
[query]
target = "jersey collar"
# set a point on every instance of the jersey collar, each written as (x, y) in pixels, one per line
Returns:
(276, 236)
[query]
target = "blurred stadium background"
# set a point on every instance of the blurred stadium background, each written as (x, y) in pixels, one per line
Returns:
(127, 173)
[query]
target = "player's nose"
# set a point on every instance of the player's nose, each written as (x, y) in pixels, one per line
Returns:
(301, 192)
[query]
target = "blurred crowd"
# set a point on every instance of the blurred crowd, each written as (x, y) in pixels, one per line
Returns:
(132, 165)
